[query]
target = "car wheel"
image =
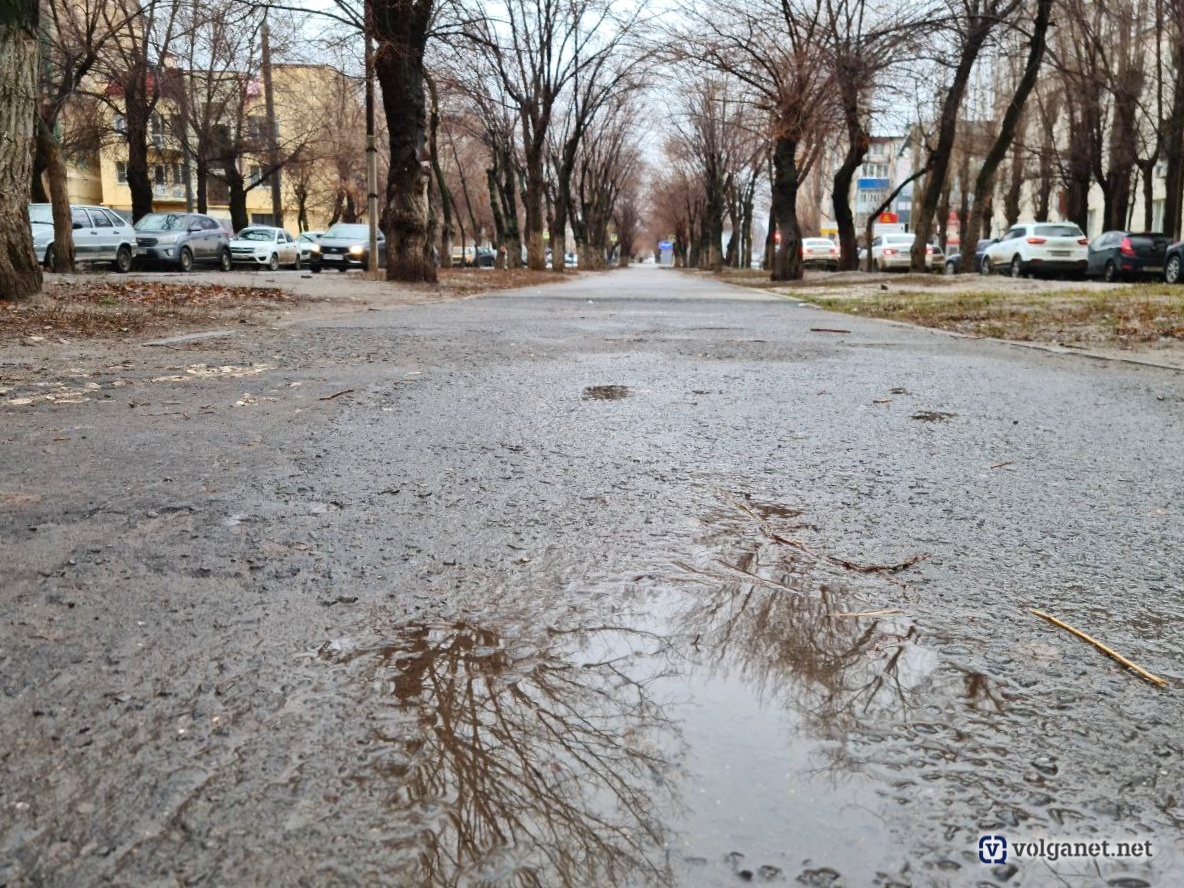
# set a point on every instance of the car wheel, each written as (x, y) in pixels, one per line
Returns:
(1110, 272)
(273, 263)
(1171, 269)
(984, 267)
(1017, 267)
(50, 255)
(950, 268)
(185, 260)
(224, 261)
(296, 264)
(123, 259)
(342, 268)
(316, 269)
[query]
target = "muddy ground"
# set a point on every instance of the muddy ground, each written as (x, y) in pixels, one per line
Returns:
(634, 580)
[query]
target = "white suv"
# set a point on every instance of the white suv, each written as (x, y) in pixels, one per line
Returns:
(1031, 248)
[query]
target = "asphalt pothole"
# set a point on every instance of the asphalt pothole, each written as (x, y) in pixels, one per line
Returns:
(606, 392)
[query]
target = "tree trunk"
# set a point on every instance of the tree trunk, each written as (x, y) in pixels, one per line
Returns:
(137, 114)
(788, 263)
(858, 145)
(446, 229)
(977, 30)
(59, 196)
(495, 206)
(536, 247)
(238, 196)
(984, 183)
(1174, 142)
(20, 276)
(1011, 201)
(400, 27)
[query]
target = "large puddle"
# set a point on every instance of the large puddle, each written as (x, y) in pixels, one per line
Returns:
(751, 715)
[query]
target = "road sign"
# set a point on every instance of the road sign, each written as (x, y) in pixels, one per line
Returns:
(665, 245)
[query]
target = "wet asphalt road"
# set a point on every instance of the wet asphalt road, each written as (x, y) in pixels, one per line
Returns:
(562, 587)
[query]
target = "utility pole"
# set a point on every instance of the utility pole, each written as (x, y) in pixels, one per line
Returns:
(371, 148)
(273, 152)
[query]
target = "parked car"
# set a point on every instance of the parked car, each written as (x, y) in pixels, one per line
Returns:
(1173, 263)
(264, 246)
(954, 260)
(182, 240)
(344, 246)
(100, 235)
(305, 241)
(894, 251)
(485, 259)
(1032, 248)
(1126, 255)
(820, 252)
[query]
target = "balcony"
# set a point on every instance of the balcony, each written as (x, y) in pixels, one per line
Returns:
(168, 192)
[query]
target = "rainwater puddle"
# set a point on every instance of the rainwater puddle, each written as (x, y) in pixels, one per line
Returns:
(751, 715)
(606, 392)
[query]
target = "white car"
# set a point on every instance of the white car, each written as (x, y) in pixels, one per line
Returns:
(100, 235)
(305, 240)
(820, 252)
(894, 251)
(264, 247)
(1031, 248)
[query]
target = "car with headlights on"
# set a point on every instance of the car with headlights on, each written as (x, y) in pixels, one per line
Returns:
(99, 234)
(182, 240)
(305, 241)
(264, 246)
(344, 246)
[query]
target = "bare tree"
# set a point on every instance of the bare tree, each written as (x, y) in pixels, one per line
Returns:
(967, 28)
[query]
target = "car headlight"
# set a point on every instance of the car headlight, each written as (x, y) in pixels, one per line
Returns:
(315, 248)
(357, 250)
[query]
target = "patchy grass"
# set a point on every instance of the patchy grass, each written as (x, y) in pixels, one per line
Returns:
(129, 309)
(1122, 317)
(469, 281)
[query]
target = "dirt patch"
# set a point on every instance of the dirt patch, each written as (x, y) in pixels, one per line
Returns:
(1108, 319)
(131, 307)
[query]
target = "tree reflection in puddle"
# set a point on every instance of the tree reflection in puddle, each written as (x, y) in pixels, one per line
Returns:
(537, 761)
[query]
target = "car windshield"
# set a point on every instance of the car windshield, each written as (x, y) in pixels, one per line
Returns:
(817, 242)
(256, 234)
(42, 213)
(1059, 231)
(162, 222)
(345, 231)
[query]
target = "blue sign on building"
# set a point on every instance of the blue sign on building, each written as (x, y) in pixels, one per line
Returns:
(873, 184)
(665, 245)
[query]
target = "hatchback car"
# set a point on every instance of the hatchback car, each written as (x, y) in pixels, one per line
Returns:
(344, 246)
(100, 235)
(894, 252)
(820, 252)
(182, 240)
(264, 246)
(1126, 255)
(1032, 248)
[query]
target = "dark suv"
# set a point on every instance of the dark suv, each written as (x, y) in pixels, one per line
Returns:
(182, 240)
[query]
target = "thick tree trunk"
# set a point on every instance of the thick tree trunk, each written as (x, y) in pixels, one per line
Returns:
(59, 197)
(977, 31)
(536, 246)
(39, 195)
(513, 241)
(401, 28)
(1015, 184)
(788, 263)
(20, 276)
(238, 196)
(495, 207)
(984, 183)
(1174, 142)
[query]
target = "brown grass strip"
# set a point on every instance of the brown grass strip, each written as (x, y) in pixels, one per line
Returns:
(1110, 652)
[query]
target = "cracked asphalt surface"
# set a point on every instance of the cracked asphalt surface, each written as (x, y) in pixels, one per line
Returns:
(610, 583)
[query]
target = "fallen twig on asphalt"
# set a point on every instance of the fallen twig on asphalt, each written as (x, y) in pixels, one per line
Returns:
(879, 568)
(886, 612)
(336, 395)
(1000, 465)
(828, 330)
(1154, 679)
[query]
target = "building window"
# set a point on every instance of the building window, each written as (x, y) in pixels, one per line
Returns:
(121, 172)
(119, 124)
(158, 174)
(262, 219)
